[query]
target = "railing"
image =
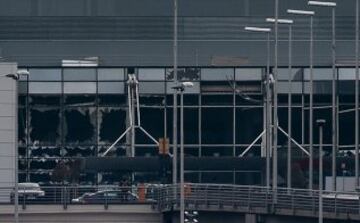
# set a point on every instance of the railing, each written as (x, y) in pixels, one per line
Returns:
(197, 196)
(79, 195)
(261, 199)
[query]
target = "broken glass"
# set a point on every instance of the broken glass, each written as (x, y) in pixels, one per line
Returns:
(79, 151)
(245, 117)
(80, 125)
(44, 100)
(112, 123)
(44, 125)
(217, 130)
(184, 74)
(80, 100)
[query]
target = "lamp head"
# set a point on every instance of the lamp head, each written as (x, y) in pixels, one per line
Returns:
(320, 122)
(300, 12)
(257, 29)
(320, 3)
(280, 21)
(187, 84)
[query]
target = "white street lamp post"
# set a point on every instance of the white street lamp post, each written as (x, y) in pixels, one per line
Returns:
(311, 14)
(267, 105)
(288, 22)
(181, 88)
(334, 134)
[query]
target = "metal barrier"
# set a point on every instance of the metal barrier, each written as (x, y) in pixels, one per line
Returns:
(197, 196)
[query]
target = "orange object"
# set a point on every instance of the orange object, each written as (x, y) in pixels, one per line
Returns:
(187, 190)
(141, 193)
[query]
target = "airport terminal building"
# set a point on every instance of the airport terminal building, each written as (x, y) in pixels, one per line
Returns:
(74, 104)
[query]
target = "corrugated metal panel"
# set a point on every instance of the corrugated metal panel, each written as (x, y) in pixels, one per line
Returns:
(159, 28)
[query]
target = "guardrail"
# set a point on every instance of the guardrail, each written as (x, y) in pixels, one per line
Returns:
(79, 195)
(197, 196)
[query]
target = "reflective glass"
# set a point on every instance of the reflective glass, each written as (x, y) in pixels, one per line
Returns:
(79, 87)
(45, 74)
(319, 87)
(347, 74)
(111, 74)
(79, 74)
(217, 74)
(318, 74)
(151, 74)
(283, 87)
(248, 74)
(296, 74)
(152, 87)
(44, 87)
(111, 87)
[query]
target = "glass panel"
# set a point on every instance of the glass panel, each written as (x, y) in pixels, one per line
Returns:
(217, 177)
(347, 87)
(79, 74)
(79, 87)
(152, 87)
(217, 130)
(45, 100)
(111, 87)
(112, 100)
(223, 99)
(108, 131)
(45, 88)
(23, 87)
(193, 90)
(246, 117)
(46, 151)
(216, 74)
(151, 74)
(80, 125)
(319, 87)
(80, 100)
(184, 74)
(45, 74)
(152, 120)
(296, 74)
(347, 74)
(111, 74)
(319, 74)
(248, 74)
(41, 131)
(217, 151)
(283, 87)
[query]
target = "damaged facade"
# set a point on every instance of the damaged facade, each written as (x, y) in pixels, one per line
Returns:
(66, 113)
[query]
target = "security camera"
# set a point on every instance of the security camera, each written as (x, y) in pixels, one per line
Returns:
(23, 72)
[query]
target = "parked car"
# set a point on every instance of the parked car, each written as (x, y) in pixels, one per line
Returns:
(106, 196)
(27, 191)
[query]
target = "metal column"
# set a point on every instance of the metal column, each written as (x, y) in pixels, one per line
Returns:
(268, 114)
(334, 105)
(289, 110)
(320, 123)
(311, 107)
(175, 51)
(357, 97)
(275, 166)
(182, 191)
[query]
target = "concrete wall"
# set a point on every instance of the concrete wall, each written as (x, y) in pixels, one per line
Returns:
(8, 135)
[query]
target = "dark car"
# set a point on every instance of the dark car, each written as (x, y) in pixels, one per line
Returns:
(107, 196)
